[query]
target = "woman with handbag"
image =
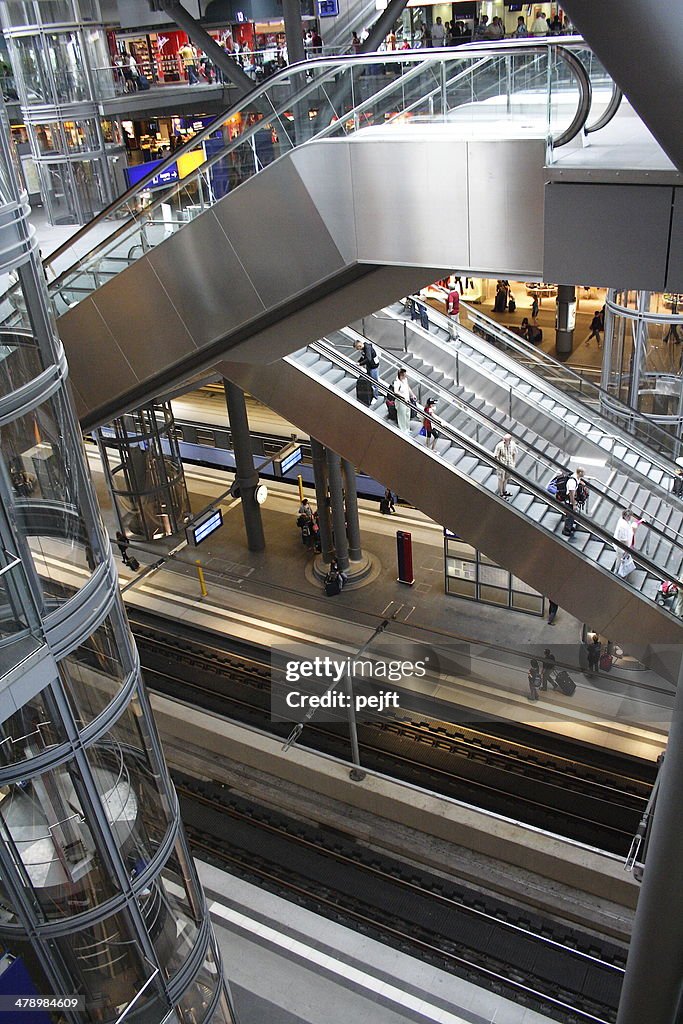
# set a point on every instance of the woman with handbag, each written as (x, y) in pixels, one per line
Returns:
(403, 391)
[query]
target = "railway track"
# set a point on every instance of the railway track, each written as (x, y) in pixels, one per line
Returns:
(582, 794)
(559, 971)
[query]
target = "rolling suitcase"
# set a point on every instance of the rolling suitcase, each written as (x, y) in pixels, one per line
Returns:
(606, 662)
(133, 563)
(565, 683)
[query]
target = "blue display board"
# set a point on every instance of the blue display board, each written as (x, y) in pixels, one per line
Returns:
(136, 173)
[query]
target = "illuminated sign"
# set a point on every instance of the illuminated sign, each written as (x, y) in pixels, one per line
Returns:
(204, 527)
(287, 459)
(328, 8)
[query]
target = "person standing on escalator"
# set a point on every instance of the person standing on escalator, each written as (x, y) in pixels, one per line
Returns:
(505, 454)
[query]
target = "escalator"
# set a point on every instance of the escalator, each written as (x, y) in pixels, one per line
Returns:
(456, 484)
(624, 470)
(228, 259)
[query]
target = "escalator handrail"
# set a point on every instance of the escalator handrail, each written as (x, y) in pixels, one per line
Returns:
(601, 491)
(332, 65)
(538, 356)
(348, 366)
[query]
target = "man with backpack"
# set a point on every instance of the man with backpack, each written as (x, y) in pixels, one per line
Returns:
(577, 496)
(369, 359)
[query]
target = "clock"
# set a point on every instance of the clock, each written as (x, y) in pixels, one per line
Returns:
(260, 494)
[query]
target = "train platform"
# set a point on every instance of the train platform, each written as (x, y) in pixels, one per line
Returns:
(271, 598)
(288, 965)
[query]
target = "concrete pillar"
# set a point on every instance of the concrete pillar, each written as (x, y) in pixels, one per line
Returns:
(246, 476)
(351, 503)
(322, 501)
(653, 983)
(341, 544)
(291, 10)
(565, 320)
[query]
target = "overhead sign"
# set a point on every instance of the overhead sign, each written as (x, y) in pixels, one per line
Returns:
(287, 459)
(328, 8)
(204, 527)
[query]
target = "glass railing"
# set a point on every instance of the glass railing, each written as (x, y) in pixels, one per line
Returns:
(325, 97)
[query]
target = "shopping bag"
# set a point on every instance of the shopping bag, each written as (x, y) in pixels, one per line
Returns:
(626, 565)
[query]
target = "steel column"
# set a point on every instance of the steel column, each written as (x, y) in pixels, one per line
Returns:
(291, 10)
(564, 327)
(246, 476)
(323, 501)
(653, 983)
(351, 503)
(341, 544)
(383, 25)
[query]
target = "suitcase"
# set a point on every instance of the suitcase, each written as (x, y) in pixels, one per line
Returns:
(606, 662)
(565, 683)
(143, 83)
(133, 563)
(333, 587)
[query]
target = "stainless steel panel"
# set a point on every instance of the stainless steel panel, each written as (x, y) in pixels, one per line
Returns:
(98, 367)
(674, 273)
(325, 169)
(455, 501)
(410, 199)
(357, 298)
(141, 316)
(615, 236)
(505, 204)
(205, 280)
(279, 236)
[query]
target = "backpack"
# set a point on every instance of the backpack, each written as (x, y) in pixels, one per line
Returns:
(581, 493)
(333, 584)
(374, 359)
(558, 486)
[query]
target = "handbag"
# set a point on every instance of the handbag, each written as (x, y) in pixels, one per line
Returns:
(626, 565)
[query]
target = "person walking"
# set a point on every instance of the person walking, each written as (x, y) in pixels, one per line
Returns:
(521, 32)
(431, 434)
(438, 33)
(506, 454)
(355, 42)
(534, 679)
(123, 544)
(540, 25)
(549, 665)
(596, 328)
(405, 396)
(593, 651)
(369, 359)
(387, 505)
(577, 495)
(552, 611)
(189, 59)
(453, 305)
(534, 310)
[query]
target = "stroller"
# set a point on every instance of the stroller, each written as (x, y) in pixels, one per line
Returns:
(666, 595)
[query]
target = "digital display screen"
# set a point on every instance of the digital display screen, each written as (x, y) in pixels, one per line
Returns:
(291, 460)
(328, 8)
(203, 529)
